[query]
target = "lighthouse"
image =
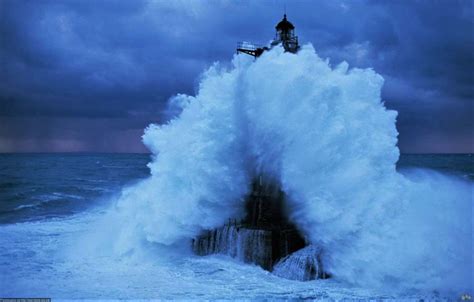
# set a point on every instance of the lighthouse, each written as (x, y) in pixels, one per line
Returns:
(285, 36)
(266, 235)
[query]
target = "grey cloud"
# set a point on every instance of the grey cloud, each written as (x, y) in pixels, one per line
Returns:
(75, 61)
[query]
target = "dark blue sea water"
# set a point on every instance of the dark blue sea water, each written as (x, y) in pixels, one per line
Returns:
(49, 208)
(43, 186)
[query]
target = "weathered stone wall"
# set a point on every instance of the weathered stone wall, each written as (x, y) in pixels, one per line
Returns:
(265, 237)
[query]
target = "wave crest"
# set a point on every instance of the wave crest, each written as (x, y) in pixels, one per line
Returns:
(326, 136)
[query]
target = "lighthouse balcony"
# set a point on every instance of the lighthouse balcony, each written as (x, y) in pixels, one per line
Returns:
(250, 48)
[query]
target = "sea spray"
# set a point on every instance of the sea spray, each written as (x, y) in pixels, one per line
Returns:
(199, 174)
(326, 136)
(302, 265)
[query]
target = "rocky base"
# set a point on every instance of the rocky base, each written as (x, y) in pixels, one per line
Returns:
(302, 265)
(247, 245)
(265, 237)
(260, 246)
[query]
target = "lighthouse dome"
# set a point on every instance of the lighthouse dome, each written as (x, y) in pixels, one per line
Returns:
(284, 24)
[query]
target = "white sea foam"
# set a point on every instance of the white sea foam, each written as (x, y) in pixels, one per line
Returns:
(326, 136)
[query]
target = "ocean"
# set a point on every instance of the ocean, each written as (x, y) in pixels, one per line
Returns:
(35, 187)
(51, 217)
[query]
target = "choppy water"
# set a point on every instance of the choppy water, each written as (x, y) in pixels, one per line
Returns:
(49, 208)
(42, 186)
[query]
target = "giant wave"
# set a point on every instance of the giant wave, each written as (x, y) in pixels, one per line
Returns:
(326, 136)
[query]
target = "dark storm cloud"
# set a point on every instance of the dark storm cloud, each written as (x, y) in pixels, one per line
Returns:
(90, 75)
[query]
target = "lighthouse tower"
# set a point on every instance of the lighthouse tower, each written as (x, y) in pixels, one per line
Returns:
(266, 236)
(285, 35)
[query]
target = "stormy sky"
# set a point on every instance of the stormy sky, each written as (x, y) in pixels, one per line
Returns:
(83, 75)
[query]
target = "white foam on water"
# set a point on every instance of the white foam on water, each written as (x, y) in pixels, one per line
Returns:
(71, 258)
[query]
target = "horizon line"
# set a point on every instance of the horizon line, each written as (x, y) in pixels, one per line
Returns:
(150, 153)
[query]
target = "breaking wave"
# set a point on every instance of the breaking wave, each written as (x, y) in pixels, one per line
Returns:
(326, 136)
